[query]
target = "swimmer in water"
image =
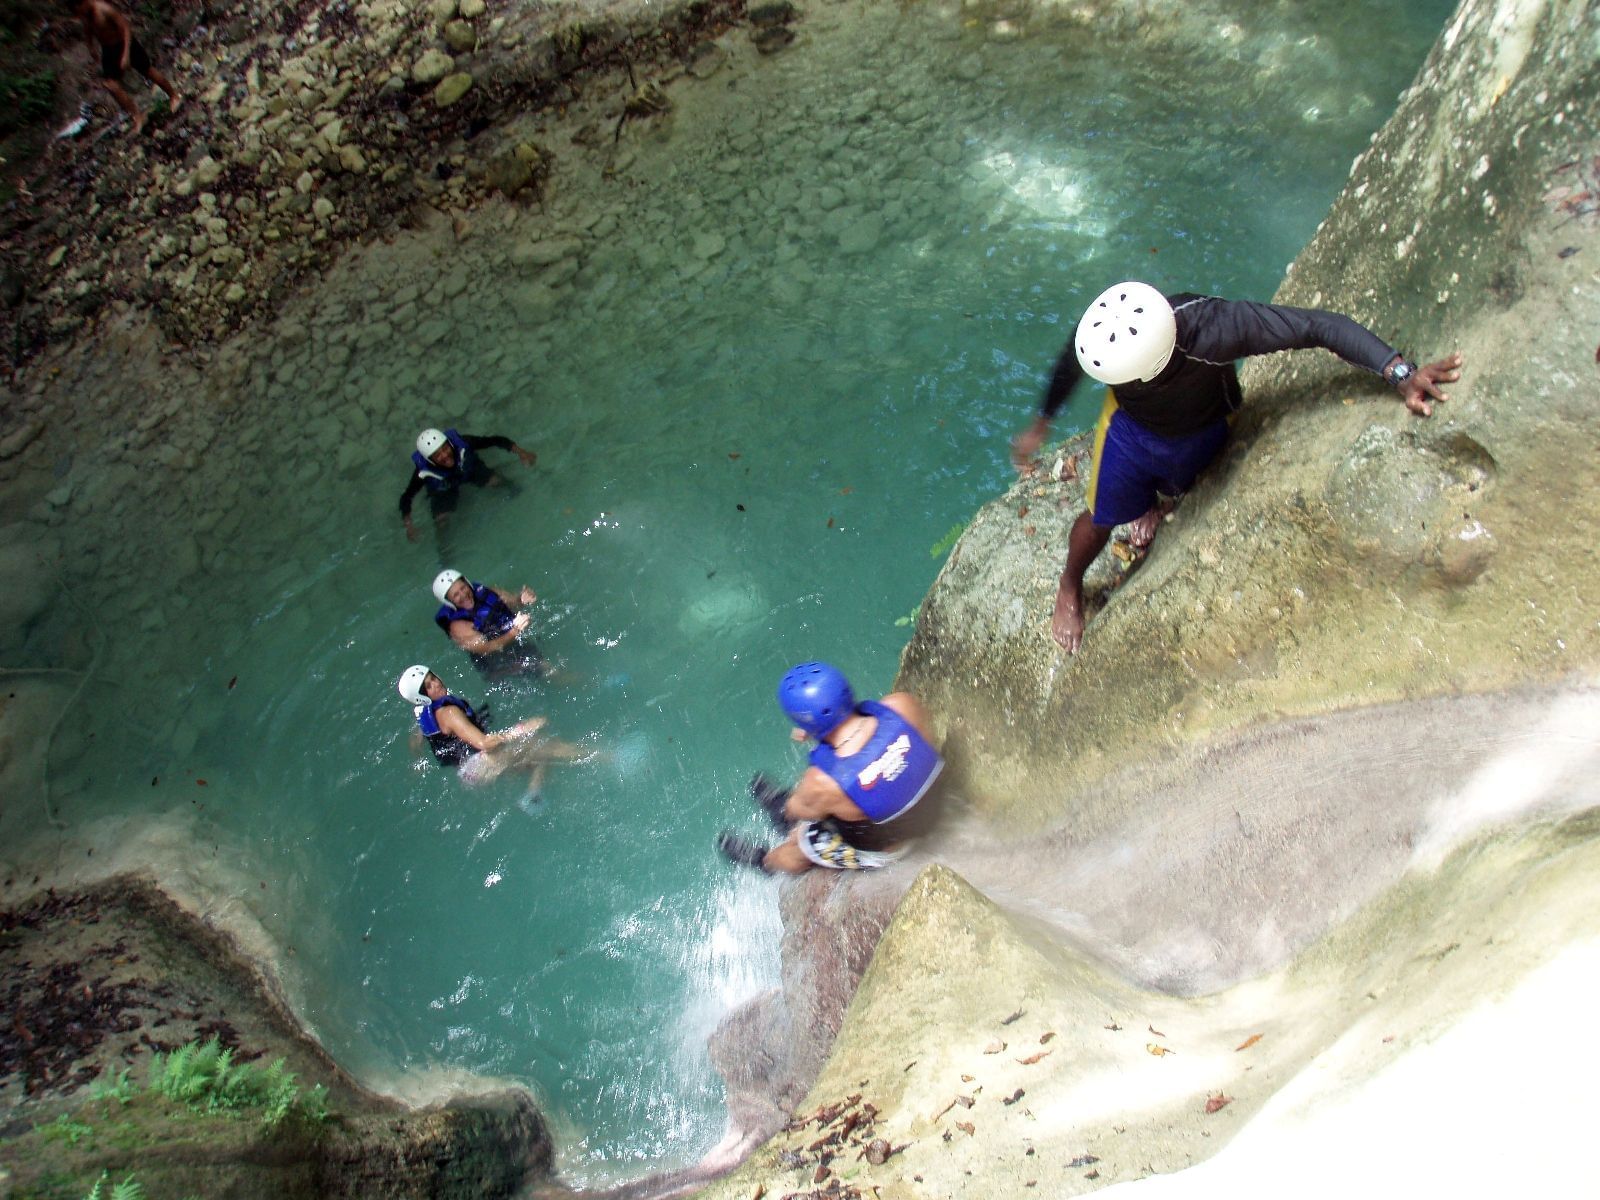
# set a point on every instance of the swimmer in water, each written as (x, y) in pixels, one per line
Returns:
(1171, 391)
(488, 624)
(443, 461)
(460, 738)
(869, 788)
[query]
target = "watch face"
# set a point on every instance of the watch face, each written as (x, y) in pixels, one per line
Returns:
(1402, 372)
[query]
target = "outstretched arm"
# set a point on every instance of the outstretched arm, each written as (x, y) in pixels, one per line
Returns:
(1063, 379)
(497, 442)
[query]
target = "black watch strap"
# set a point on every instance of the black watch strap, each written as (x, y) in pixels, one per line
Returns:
(1399, 371)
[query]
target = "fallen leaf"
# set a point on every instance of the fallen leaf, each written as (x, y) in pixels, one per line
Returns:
(1123, 551)
(1029, 530)
(1083, 1160)
(733, 454)
(201, 783)
(1114, 1027)
(878, 1152)
(1023, 511)
(1033, 1058)
(1218, 1102)
(821, 1174)
(908, 1066)
(944, 1110)
(1349, 400)
(1013, 1098)
(1018, 1015)
(1068, 471)
(965, 1101)
(830, 522)
(1095, 1174)
(1155, 1031)
(1044, 1038)
(232, 681)
(1247, 1043)
(845, 491)
(740, 507)
(968, 1078)
(1158, 1051)
(967, 1127)
(994, 1047)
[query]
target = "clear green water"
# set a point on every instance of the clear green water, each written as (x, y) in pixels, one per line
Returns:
(748, 441)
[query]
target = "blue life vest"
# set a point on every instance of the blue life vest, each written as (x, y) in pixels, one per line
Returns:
(450, 750)
(888, 775)
(438, 478)
(489, 614)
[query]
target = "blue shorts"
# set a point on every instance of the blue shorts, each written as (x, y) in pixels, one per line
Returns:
(1131, 464)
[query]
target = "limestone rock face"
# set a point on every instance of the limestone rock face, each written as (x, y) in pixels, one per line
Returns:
(1342, 552)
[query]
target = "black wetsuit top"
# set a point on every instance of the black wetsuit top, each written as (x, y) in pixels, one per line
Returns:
(1201, 384)
(477, 443)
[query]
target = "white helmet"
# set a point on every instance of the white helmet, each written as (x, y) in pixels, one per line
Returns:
(442, 583)
(1127, 333)
(411, 685)
(428, 441)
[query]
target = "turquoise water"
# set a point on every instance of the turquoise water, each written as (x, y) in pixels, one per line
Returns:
(796, 326)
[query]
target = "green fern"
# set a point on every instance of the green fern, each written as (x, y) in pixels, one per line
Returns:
(120, 1089)
(69, 1131)
(129, 1189)
(948, 540)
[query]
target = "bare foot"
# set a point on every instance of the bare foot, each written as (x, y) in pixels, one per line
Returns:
(1066, 624)
(1143, 531)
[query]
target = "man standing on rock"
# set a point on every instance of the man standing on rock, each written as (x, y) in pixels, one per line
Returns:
(1172, 388)
(109, 33)
(443, 461)
(865, 793)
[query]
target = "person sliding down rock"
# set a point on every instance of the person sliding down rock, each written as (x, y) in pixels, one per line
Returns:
(443, 461)
(1168, 363)
(488, 624)
(867, 790)
(460, 739)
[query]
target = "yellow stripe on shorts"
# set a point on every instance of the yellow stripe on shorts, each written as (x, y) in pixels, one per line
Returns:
(1100, 427)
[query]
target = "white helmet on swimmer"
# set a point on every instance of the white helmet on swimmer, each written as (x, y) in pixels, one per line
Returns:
(429, 441)
(411, 685)
(442, 583)
(1126, 334)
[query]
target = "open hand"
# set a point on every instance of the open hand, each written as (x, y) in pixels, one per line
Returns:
(520, 622)
(528, 457)
(526, 596)
(1424, 385)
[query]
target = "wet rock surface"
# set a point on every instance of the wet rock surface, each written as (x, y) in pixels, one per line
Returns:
(302, 131)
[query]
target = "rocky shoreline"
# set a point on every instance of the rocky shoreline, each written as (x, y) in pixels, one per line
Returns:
(100, 978)
(311, 127)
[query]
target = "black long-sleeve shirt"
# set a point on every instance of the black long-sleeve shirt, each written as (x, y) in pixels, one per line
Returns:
(417, 483)
(1201, 384)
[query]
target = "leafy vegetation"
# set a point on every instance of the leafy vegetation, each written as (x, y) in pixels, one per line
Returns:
(948, 540)
(121, 1089)
(67, 1130)
(103, 1189)
(205, 1077)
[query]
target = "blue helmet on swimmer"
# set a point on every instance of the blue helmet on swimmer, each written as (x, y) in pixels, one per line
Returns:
(1127, 333)
(410, 685)
(817, 697)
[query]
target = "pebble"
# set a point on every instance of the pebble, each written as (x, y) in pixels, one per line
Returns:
(451, 88)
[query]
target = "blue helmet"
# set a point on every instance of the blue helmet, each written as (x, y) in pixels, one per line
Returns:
(817, 697)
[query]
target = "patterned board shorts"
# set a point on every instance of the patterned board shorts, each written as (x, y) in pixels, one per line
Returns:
(824, 844)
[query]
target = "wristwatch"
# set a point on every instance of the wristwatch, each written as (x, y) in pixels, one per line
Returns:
(1399, 371)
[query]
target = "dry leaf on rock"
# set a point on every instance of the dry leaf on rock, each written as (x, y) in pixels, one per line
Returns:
(1016, 1016)
(1247, 1043)
(994, 1048)
(1044, 1038)
(1155, 1031)
(1158, 1051)
(1218, 1102)
(1033, 1058)
(1013, 1098)
(967, 1127)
